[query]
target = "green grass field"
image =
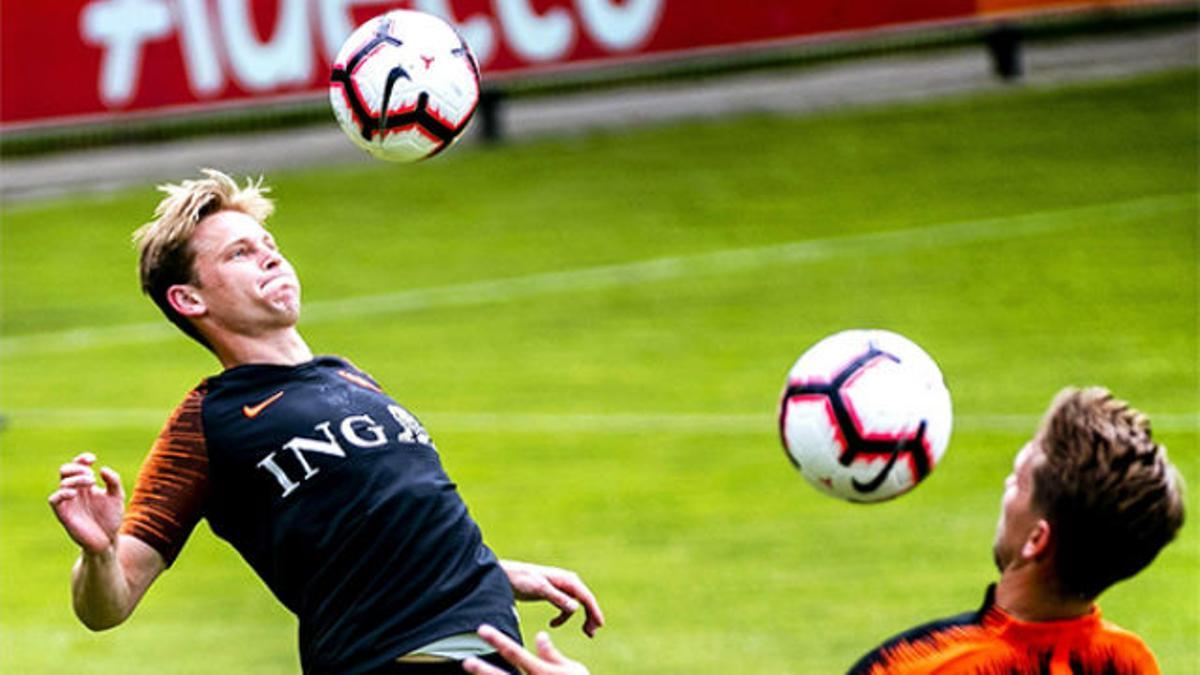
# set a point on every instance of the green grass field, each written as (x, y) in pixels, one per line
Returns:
(595, 330)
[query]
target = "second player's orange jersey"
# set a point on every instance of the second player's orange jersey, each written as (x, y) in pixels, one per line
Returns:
(991, 641)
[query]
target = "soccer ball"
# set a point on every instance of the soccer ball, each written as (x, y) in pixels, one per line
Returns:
(404, 86)
(865, 415)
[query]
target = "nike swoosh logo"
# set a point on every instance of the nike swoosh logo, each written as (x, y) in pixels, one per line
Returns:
(252, 411)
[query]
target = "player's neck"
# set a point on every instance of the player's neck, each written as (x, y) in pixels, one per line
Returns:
(1027, 597)
(284, 347)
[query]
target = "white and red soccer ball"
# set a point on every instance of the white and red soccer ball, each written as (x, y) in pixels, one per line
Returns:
(865, 415)
(404, 86)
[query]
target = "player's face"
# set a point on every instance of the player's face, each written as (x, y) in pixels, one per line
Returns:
(246, 284)
(1017, 515)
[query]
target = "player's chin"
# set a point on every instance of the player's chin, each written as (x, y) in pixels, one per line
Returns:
(284, 297)
(999, 557)
(286, 308)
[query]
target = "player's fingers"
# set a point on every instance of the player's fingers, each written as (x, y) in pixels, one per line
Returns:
(547, 650)
(562, 618)
(112, 483)
(508, 648)
(567, 606)
(592, 623)
(73, 469)
(494, 637)
(480, 667)
(78, 482)
(578, 590)
(60, 504)
(61, 496)
(85, 458)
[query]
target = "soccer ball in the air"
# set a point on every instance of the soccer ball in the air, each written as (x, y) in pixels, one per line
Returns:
(865, 415)
(404, 86)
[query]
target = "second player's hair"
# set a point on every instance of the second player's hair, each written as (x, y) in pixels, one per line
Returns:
(166, 256)
(1111, 496)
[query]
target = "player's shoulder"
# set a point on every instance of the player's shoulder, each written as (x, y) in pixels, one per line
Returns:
(350, 372)
(345, 364)
(919, 643)
(1127, 646)
(985, 639)
(188, 411)
(932, 640)
(196, 394)
(1115, 633)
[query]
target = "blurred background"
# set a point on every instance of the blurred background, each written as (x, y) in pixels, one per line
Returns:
(593, 300)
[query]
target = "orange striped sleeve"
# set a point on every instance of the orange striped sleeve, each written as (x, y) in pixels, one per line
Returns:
(168, 498)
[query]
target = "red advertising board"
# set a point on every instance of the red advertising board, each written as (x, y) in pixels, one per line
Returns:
(71, 61)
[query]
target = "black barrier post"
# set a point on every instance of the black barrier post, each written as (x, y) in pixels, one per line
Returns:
(490, 108)
(1004, 45)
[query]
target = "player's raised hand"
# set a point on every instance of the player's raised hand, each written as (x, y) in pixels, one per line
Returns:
(91, 515)
(561, 588)
(549, 661)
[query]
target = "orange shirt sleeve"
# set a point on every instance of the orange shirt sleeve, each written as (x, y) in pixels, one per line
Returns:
(172, 485)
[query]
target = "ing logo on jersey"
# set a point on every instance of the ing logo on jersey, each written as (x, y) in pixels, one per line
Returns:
(298, 462)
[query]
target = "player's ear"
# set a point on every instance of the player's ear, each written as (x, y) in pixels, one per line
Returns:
(184, 299)
(1037, 543)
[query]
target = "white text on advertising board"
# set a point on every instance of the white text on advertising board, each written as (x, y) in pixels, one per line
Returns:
(219, 43)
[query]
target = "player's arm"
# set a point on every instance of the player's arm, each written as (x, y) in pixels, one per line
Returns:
(122, 551)
(561, 588)
(113, 570)
(105, 587)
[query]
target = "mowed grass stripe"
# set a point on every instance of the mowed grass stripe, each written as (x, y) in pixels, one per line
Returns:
(597, 423)
(602, 277)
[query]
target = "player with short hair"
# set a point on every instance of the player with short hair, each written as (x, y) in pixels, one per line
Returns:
(1091, 500)
(331, 491)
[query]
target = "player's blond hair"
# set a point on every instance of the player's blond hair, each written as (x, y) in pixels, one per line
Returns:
(1112, 497)
(166, 256)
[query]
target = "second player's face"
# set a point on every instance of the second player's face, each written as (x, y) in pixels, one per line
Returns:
(1017, 514)
(246, 284)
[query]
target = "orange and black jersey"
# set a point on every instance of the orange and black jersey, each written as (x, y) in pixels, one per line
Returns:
(336, 496)
(991, 642)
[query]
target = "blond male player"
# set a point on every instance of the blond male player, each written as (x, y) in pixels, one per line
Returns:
(329, 489)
